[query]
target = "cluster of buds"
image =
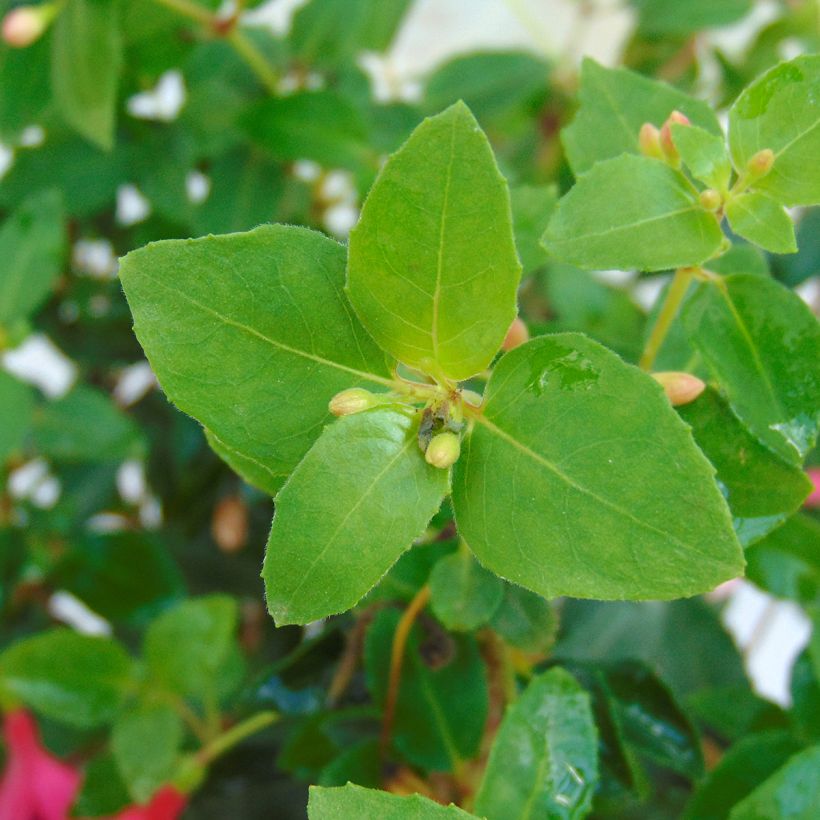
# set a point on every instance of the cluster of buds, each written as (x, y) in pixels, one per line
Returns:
(26, 24)
(658, 143)
(680, 388)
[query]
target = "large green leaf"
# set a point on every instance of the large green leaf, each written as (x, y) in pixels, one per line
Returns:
(762, 489)
(74, 679)
(781, 111)
(351, 801)
(615, 103)
(793, 791)
(580, 479)
(351, 508)
(433, 270)
(442, 701)
(32, 242)
(262, 336)
(762, 343)
(632, 212)
(670, 18)
(86, 57)
(544, 760)
(16, 410)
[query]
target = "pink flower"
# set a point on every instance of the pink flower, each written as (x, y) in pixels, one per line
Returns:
(35, 785)
(166, 804)
(814, 498)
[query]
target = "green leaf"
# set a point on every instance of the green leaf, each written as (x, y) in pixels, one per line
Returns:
(525, 620)
(247, 358)
(762, 220)
(464, 595)
(86, 426)
(684, 641)
(145, 741)
(443, 699)
(704, 154)
(781, 111)
(318, 125)
(352, 801)
(797, 268)
(744, 766)
(492, 84)
(670, 18)
(570, 439)
(762, 343)
(632, 212)
(186, 647)
(762, 489)
(351, 508)
(330, 33)
(26, 71)
(32, 245)
(71, 678)
(431, 275)
(786, 563)
(102, 791)
(253, 472)
(793, 791)
(532, 206)
(615, 103)
(86, 58)
(544, 760)
(16, 410)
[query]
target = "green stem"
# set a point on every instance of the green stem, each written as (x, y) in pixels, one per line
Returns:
(189, 9)
(235, 735)
(674, 298)
(256, 61)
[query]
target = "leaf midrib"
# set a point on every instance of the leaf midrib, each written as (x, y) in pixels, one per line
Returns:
(544, 462)
(273, 342)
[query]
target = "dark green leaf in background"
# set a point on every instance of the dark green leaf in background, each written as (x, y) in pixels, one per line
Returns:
(86, 59)
(74, 679)
(544, 760)
(762, 344)
(464, 595)
(443, 700)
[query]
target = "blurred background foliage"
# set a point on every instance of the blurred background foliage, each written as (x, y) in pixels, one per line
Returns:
(114, 509)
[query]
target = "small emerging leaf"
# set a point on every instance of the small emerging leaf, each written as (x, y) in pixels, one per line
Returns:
(763, 221)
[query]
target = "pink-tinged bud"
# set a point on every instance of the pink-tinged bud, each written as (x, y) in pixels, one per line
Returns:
(25, 25)
(516, 335)
(667, 144)
(710, 199)
(813, 501)
(443, 450)
(649, 141)
(761, 163)
(680, 388)
(352, 400)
